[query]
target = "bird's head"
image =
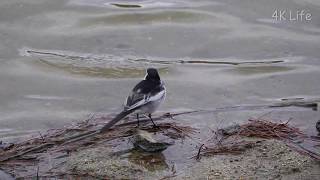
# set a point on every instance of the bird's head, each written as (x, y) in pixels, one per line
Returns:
(152, 75)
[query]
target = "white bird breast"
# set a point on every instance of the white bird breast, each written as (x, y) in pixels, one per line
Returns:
(151, 103)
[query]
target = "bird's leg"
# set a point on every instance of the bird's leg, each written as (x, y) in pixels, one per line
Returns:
(154, 125)
(138, 120)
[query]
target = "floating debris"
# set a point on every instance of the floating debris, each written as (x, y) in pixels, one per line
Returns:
(126, 5)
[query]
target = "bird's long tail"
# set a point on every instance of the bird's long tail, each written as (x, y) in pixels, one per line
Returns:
(120, 116)
(103, 129)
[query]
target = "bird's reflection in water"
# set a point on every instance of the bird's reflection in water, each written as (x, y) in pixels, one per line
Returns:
(151, 161)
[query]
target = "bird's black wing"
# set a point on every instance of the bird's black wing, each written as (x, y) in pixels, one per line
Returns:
(141, 94)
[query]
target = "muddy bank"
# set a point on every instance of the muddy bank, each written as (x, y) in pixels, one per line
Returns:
(257, 149)
(100, 162)
(271, 159)
(235, 152)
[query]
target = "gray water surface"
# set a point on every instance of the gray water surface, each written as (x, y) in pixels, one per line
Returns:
(63, 60)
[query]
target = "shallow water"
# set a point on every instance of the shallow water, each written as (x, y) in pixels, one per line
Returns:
(61, 61)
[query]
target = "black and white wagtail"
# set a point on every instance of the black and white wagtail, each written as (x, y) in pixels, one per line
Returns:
(144, 98)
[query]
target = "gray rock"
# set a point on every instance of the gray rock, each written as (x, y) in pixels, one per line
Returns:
(143, 140)
(230, 130)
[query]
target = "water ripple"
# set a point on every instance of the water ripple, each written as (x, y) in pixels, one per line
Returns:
(111, 66)
(146, 17)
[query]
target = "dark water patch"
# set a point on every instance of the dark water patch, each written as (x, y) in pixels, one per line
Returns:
(150, 161)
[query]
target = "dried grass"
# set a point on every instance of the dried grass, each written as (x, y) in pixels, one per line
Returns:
(269, 130)
(229, 143)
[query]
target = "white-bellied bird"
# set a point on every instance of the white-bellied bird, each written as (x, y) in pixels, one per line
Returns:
(144, 98)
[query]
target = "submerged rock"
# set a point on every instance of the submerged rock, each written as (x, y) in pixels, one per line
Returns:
(143, 140)
(151, 161)
(318, 126)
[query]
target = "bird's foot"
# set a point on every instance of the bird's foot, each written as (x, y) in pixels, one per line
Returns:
(156, 126)
(137, 126)
(169, 115)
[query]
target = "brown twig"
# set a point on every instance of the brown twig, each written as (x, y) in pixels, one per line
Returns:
(199, 151)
